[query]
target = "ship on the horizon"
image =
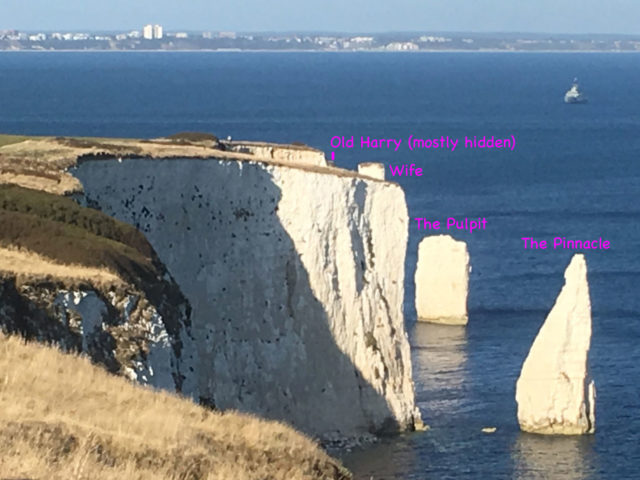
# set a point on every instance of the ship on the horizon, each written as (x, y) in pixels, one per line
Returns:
(574, 95)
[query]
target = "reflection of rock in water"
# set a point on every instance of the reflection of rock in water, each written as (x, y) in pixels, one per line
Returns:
(389, 459)
(439, 360)
(558, 458)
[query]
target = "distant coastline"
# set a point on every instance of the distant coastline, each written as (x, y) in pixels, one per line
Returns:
(155, 38)
(338, 52)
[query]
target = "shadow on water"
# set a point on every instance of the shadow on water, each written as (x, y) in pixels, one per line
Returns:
(439, 355)
(390, 459)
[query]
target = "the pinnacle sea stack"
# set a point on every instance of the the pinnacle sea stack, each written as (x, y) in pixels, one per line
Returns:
(442, 280)
(554, 392)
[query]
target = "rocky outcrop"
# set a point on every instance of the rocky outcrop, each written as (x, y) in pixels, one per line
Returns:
(554, 392)
(295, 279)
(118, 327)
(442, 280)
(372, 169)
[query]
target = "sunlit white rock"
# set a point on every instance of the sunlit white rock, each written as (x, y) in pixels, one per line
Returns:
(372, 169)
(554, 391)
(442, 280)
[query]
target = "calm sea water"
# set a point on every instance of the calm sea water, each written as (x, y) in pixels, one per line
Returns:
(575, 173)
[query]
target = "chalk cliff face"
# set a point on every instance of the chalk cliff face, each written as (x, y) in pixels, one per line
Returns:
(372, 169)
(295, 279)
(118, 327)
(442, 280)
(554, 392)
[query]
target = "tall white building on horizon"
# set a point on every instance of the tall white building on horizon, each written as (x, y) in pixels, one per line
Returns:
(151, 32)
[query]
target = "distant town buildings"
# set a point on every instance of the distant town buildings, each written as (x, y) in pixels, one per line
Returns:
(432, 39)
(402, 46)
(225, 40)
(152, 32)
(363, 40)
(38, 37)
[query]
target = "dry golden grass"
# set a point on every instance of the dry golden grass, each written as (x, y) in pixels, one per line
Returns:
(26, 266)
(60, 184)
(63, 418)
(10, 139)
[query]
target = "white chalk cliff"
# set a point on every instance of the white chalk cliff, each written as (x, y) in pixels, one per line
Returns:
(442, 280)
(294, 277)
(554, 392)
(372, 169)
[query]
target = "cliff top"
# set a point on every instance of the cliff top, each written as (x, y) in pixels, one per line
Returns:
(41, 163)
(47, 237)
(62, 417)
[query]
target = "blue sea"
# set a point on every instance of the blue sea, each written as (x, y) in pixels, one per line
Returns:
(574, 173)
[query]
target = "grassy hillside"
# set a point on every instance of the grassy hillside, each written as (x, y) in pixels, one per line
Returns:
(63, 418)
(58, 228)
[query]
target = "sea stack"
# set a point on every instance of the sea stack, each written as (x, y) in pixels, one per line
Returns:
(372, 169)
(554, 392)
(442, 280)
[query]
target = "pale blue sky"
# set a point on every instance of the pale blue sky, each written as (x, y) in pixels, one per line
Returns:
(556, 16)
